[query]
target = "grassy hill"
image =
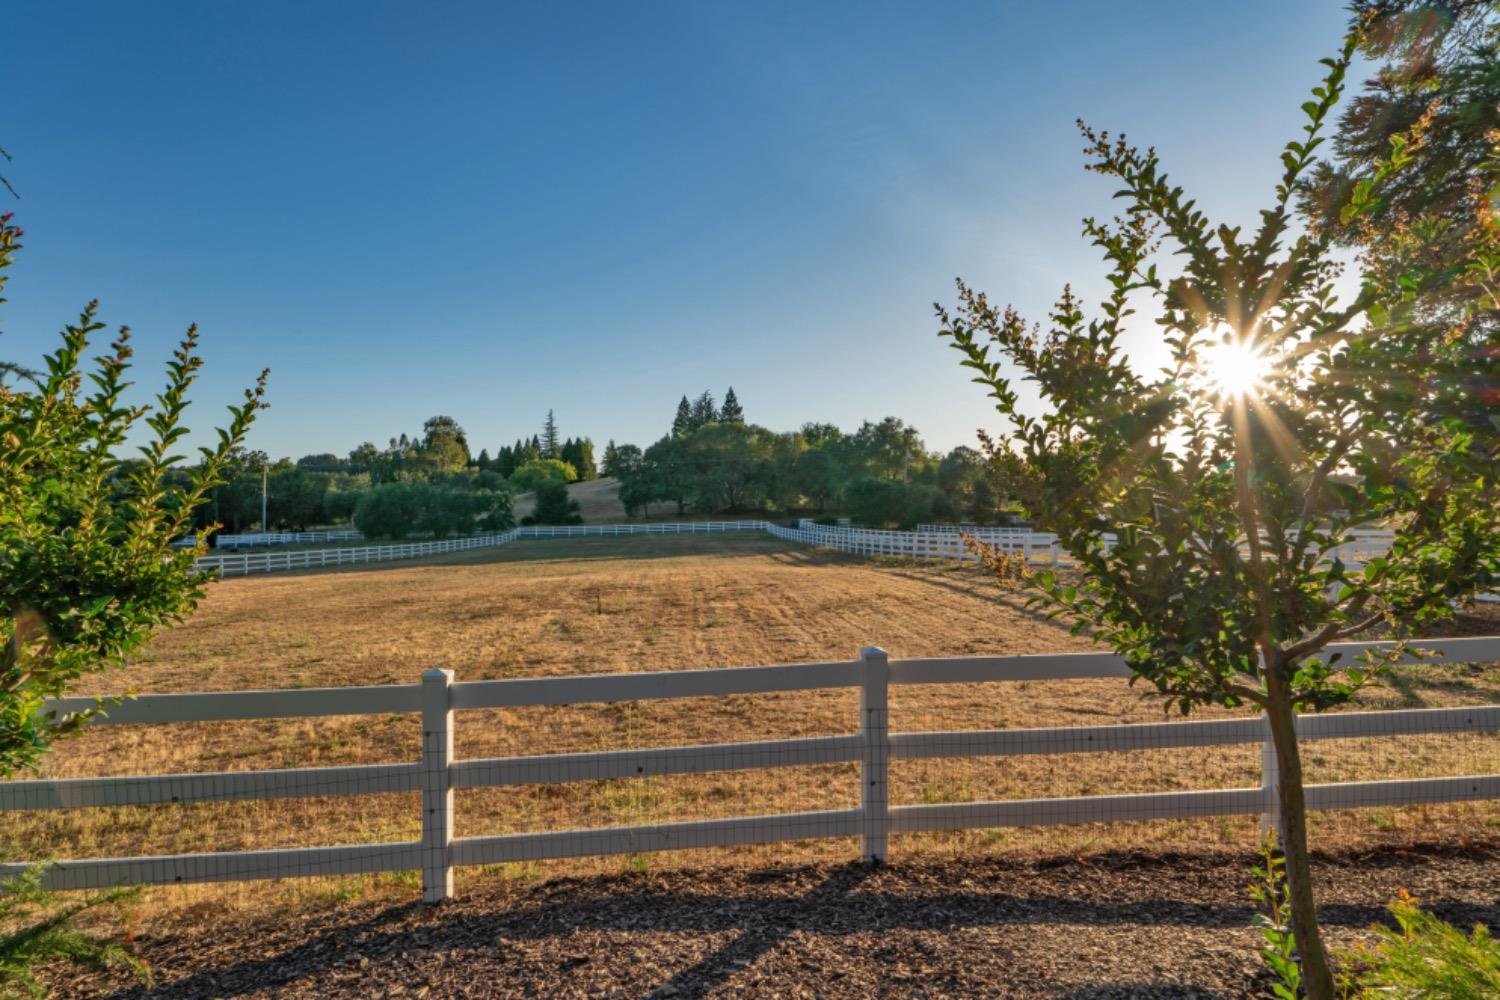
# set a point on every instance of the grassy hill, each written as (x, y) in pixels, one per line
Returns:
(599, 503)
(598, 500)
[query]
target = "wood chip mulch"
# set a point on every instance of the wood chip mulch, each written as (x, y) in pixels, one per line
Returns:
(1087, 929)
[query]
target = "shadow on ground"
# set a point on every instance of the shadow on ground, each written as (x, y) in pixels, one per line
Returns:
(1085, 930)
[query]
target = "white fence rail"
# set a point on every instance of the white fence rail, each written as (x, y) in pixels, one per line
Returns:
(263, 539)
(438, 698)
(1034, 546)
(242, 563)
(272, 561)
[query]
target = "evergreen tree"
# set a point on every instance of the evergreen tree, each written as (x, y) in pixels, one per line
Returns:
(731, 412)
(483, 461)
(611, 458)
(550, 444)
(683, 422)
(569, 453)
(505, 461)
(704, 411)
(554, 505)
(584, 462)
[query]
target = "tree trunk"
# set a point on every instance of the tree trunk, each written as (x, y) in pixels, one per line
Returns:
(1317, 979)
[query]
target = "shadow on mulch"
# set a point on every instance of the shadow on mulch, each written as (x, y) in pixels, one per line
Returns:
(923, 928)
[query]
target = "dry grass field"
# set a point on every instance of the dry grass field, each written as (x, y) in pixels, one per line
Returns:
(635, 604)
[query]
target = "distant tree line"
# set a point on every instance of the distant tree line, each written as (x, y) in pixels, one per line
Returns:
(425, 484)
(711, 462)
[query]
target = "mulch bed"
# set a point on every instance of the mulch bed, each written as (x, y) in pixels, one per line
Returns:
(1100, 927)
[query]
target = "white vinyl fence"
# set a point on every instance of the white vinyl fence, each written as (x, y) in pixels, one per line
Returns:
(274, 561)
(242, 563)
(263, 539)
(1034, 546)
(870, 743)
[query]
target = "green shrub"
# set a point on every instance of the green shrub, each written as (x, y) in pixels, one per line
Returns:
(339, 505)
(394, 510)
(389, 511)
(883, 503)
(1280, 951)
(539, 470)
(1424, 957)
(554, 505)
(93, 496)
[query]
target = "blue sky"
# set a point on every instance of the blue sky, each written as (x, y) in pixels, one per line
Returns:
(488, 211)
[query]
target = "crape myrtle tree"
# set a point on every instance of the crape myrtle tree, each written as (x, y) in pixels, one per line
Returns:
(1285, 419)
(87, 571)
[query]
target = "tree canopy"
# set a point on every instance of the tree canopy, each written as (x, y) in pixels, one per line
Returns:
(1207, 505)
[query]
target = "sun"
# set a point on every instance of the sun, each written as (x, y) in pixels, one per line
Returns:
(1233, 367)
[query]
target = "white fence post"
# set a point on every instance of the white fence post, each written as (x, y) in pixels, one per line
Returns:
(874, 725)
(1270, 785)
(437, 786)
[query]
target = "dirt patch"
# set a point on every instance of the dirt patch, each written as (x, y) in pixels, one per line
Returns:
(1114, 926)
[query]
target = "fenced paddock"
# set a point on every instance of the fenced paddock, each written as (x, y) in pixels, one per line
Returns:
(869, 748)
(926, 543)
(856, 541)
(273, 561)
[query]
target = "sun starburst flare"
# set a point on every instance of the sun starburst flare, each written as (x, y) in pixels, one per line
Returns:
(1234, 367)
